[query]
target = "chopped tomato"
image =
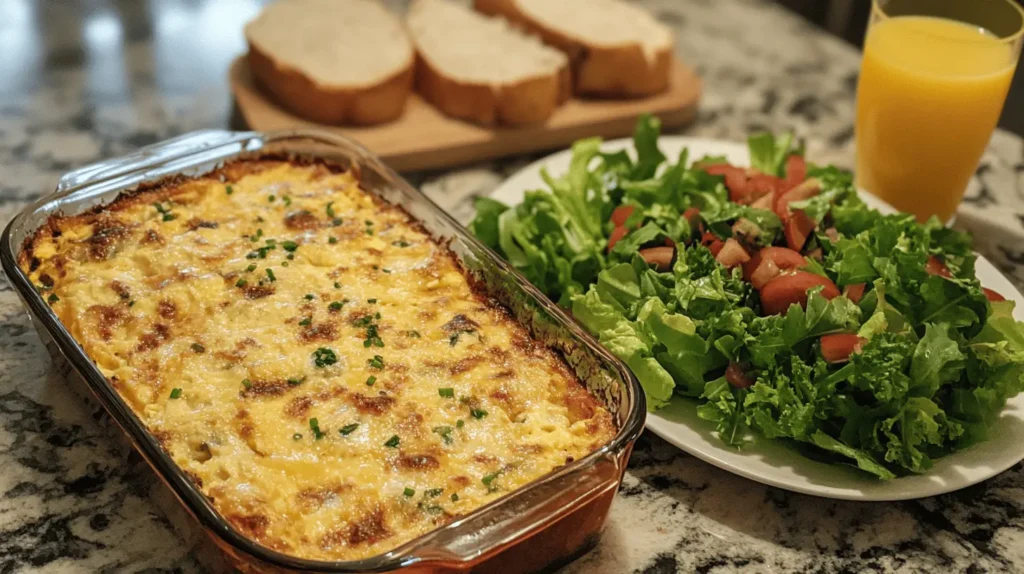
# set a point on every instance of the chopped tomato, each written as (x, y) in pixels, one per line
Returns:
(764, 202)
(764, 273)
(992, 295)
(617, 234)
(782, 257)
(796, 170)
(621, 214)
(735, 376)
(660, 257)
(838, 348)
(718, 168)
(805, 190)
(732, 254)
(785, 290)
(935, 266)
(712, 242)
(735, 180)
(797, 229)
(854, 292)
(691, 214)
(763, 184)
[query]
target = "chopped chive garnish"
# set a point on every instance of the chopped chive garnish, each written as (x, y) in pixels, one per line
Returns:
(305, 322)
(460, 423)
(198, 348)
(314, 425)
(289, 246)
(337, 285)
(372, 336)
(413, 334)
(296, 381)
(251, 267)
(229, 189)
(271, 242)
(371, 380)
(323, 357)
(241, 283)
(247, 383)
(270, 274)
(287, 200)
(445, 432)
(284, 264)
(478, 413)
(261, 253)
(377, 362)
(336, 221)
(335, 306)
(332, 240)
(348, 429)
(309, 296)
(489, 481)
(371, 301)
(53, 298)
(385, 269)
(175, 393)
(271, 198)
(455, 497)
(392, 442)
(131, 303)
(446, 392)
(290, 256)
(433, 492)
(330, 209)
(400, 243)
(297, 436)
(164, 211)
(408, 492)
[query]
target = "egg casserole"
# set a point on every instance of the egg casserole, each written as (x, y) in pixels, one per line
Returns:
(320, 366)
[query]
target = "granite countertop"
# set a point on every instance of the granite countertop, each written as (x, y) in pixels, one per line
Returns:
(77, 88)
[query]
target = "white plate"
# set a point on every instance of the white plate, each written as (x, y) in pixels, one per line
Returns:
(775, 463)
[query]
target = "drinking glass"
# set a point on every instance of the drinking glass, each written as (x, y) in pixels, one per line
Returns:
(932, 84)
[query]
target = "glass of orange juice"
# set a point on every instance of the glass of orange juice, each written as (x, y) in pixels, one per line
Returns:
(932, 84)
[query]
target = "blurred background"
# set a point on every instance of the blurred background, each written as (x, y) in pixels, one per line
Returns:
(193, 42)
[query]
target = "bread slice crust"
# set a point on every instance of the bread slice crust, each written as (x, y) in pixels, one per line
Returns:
(373, 103)
(527, 100)
(608, 71)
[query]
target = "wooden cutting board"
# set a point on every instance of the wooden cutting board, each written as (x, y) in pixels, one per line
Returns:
(424, 138)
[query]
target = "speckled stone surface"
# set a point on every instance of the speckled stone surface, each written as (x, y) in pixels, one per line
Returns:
(80, 87)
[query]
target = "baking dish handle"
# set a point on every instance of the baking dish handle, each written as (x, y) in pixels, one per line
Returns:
(161, 154)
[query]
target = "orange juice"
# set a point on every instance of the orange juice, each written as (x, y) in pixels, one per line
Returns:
(929, 98)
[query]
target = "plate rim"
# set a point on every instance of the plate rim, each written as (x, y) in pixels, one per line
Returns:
(920, 486)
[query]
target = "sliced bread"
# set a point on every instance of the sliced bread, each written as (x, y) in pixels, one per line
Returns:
(479, 68)
(616, 49)
(333, 61)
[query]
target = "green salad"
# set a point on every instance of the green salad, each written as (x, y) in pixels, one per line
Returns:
(773, 297)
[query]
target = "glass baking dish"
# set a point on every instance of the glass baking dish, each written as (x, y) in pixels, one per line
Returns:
(541, 525)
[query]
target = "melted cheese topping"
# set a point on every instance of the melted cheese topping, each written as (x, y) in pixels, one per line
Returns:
(316, 363)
